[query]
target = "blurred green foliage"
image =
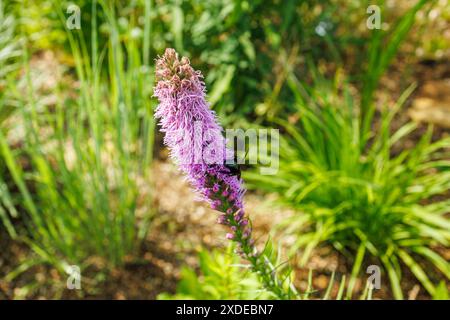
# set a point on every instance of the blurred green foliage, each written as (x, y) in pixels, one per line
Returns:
(77, 166)
(10, 52)
(221, 277)
(246, 47)
(361, 196)
(265, 61)
(339, 169)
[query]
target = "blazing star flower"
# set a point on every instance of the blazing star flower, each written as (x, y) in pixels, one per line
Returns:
(194, 138)
(196, 143)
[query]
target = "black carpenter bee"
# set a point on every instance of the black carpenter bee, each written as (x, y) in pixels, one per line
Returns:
(234, 168)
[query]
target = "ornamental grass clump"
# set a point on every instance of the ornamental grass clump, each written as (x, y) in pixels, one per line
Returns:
(197, 145)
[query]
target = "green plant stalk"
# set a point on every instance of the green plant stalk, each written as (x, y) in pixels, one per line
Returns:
(260, 263)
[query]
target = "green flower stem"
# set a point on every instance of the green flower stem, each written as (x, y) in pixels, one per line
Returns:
(260, 263)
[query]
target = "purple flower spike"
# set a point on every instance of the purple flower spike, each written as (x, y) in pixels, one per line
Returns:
(222, 219)
(239, 215)
(192, 132)
(195, 141)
